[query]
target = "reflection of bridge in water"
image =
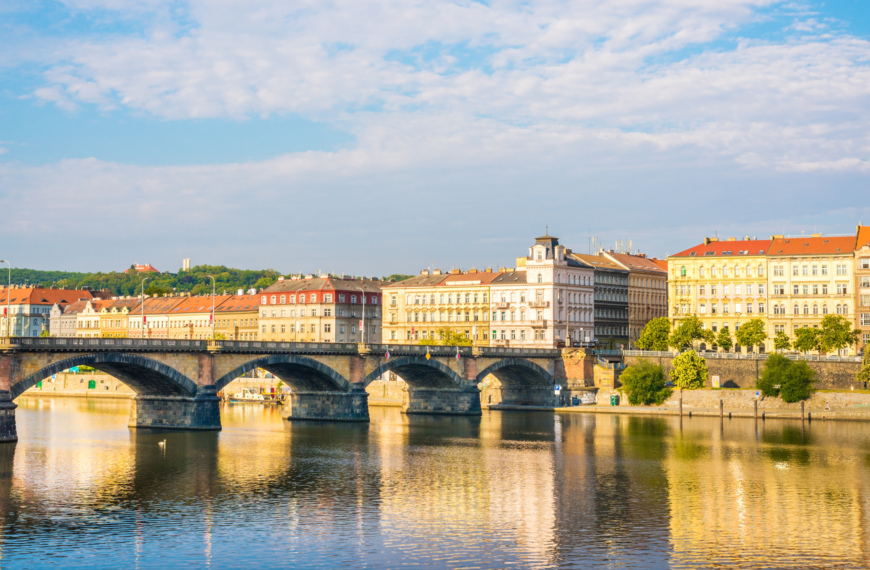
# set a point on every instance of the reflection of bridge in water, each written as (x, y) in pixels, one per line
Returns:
(177, 381)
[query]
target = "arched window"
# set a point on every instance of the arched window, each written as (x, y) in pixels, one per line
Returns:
(683, 271)
(806, 309)
(796, 310)
(824, 309)
(540, 278)
(283, 298)
(760, 270)
(701, 272)
(839, 309)
(263, 300)
(274, 299)
(815, 309)
(845, 309)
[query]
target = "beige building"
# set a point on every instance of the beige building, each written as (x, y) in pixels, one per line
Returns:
(862, 285)
(647, 291)
(237, 317)
(321, 309)
(723, 283)
(546, 302)
(418, 307)
(810, 277)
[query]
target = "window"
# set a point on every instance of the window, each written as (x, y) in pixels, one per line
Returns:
(806, 270)
(824, 309)
(815, 289)
(713, 290)
(841, 288)
(327, 327)
(701, 289)
(795, 288)
(864, 263)
(540, 278)
(726, 308)
(794, 270)
(713, 308)
(806, 310)
(264, 328)
(842, 270)
(796, 310)
(683, 271)
(806, 289)
(824, 269)
(327, 312)
(865, 300)
(761, 271)
(748, 308)
(737, 289)
(702, 308)
(327, 298)
(865, 322)
(701, 272)
(263, 300)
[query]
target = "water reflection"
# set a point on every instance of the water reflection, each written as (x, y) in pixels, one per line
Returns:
(506, 489)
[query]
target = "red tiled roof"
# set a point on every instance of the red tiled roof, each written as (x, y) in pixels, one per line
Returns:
(636, 262)
(727, 248)
(40, 296)
(863, 236)
(663, 263)
(198, 304)
(469, 278)
(812, 245)
(239, 303)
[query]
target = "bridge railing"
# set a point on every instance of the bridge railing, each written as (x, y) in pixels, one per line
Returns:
(170, 345)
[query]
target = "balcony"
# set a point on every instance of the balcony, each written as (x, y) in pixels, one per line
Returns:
(542, 324)
(539, 304)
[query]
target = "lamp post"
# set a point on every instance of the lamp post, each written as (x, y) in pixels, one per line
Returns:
(212, 307)
(143, 306)
(363, 331)
(8, 294)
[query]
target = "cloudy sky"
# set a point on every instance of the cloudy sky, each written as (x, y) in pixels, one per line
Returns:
(377, 136)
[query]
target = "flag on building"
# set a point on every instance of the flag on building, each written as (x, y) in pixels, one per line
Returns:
(387, 355)
(457, 353)
(427, 354)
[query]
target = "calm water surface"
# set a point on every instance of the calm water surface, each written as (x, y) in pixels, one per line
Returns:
(521, 490)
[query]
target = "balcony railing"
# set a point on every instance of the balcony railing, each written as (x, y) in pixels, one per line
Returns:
(502, 305)
(539, 324)
(539, 304)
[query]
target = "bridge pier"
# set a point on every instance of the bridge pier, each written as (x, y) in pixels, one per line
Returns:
(350, 406)
(527, 396)
(461, 402)
(8, 428)
(176, 412)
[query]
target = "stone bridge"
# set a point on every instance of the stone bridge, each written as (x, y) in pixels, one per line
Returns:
(177, 381)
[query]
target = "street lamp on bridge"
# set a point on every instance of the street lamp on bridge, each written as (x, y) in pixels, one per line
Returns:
(212, 306)
(8, 294)
(143, 306)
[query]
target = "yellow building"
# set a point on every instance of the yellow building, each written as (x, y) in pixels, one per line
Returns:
(810, 277)
(114, 317)
(416, 308)
(723, 283)
(862, 285)
(237, 317)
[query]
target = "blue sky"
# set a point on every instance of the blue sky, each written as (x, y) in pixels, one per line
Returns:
(373, 137)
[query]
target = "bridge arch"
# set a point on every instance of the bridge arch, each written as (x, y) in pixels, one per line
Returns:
(142, 374)
(517, 372)
(418, 372)
(301, 373)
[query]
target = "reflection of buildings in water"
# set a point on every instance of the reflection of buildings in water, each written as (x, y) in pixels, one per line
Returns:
(611, 492)
(452, 483)
(786, 500)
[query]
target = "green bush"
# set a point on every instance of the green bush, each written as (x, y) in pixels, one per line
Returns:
(792, 381)
(644, 383)
(690, 371)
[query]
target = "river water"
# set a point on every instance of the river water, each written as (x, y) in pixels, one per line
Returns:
(508, 490)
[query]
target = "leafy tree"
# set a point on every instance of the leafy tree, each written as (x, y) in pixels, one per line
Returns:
(771, 376)
(157, 290)
(792, 381)
(798, 383)
(724, 339)
(751, 334)
(44, 334)
(690, 371)
(447, 337)
(864, 373)
(837, 333)
(689, 330)
(263, 282)
(781, 341)
(655, 335)
(807, 339)
(397, 277)
(644, 383)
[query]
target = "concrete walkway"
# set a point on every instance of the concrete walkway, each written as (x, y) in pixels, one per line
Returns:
(835, 414)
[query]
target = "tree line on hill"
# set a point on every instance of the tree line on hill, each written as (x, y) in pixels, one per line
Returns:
(194, 281)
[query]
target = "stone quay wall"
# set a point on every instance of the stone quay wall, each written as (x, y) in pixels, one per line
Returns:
(742, 373)
(745, 399)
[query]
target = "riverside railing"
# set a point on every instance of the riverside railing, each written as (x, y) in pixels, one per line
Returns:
(743, 356)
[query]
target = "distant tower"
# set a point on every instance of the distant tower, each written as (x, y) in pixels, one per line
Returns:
(185, 264)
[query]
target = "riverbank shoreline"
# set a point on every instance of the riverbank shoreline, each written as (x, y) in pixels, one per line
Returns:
(732, 413)
(85, 395)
